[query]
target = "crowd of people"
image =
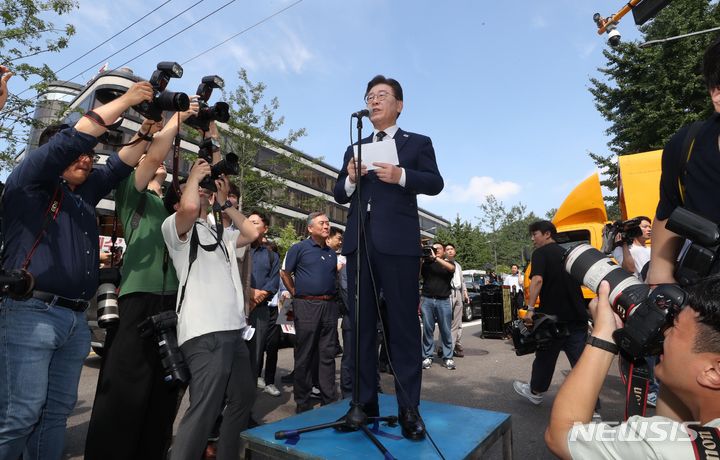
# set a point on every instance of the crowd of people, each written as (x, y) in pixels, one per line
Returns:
(199, 269)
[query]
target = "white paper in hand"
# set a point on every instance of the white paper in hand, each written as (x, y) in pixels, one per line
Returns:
(380, 152)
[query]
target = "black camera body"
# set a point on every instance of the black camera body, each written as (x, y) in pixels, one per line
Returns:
(645, 313)
(428, 252)
(629, 229)
(218, 112)
(17, 284)
(699, 258)
(164, 100)
(162, 328)
(228, 166)
(108, 311)
(545, 329)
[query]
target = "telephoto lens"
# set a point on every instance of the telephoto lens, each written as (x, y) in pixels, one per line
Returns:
(590, 266)
(108, 313)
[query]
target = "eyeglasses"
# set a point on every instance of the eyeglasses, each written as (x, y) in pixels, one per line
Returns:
(380, 96)
(94, 158)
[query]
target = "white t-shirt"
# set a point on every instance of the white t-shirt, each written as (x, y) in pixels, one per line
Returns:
(641, 256)
(640, 437)
(213, 296)
(514, 280)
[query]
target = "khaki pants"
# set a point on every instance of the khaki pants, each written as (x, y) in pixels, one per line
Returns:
(456, 302)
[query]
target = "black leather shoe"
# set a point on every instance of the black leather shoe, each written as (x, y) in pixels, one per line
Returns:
(412, 426)
(371, 409)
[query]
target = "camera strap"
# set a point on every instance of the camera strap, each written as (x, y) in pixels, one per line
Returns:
(636, 376)
(194, 243)
(51, 214)
(686, 154)
(706, 442)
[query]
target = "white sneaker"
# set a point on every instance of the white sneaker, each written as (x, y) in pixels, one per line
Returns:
(272, 390)
(523, 389)
(427, 363)
(261, 383)
(315, 392)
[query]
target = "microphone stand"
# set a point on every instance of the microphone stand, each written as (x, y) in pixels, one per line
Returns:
(356, 418)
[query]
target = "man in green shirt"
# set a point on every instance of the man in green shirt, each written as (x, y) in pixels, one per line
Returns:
(134, 407)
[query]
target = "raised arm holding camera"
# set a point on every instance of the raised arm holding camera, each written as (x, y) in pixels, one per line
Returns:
(134, 406)
(50, 230)
(211, 326)
(689, 368)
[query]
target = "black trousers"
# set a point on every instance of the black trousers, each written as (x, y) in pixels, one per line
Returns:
(272, 343)
(316, 335)
(545, 360)
(259, 318)
(134, 408)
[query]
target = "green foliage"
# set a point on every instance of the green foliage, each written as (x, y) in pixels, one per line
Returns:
(647, 94)
(497, 242)
(287, 236)
(25, 34)
(252, 122)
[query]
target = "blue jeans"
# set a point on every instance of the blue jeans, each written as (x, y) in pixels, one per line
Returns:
(42, 349)
(440, 311)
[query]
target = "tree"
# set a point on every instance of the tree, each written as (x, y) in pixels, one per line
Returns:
(25, 34)
(648, 93)
(286, 238)
(468, 241)
(252, 123)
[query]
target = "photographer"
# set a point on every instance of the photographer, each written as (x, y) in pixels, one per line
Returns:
(561, 296)
(134, 408)
(211, 327)
(690, 367)
(437, 274)
(60, 249)
(691, 183)
(632, 252)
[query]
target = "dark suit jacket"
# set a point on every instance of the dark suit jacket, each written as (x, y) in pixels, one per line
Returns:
(394, 227)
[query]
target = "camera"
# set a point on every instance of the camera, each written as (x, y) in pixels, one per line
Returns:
(699, 257)
(645, 314)
(218, 112)
(108, 313)
(610, 29)
(629, 229)
(428, 252)
(229, 166)
(164, 100)
(17, 284)
(162, 328)
(545, 329)
(613, 36)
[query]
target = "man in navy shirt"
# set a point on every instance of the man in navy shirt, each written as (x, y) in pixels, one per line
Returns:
(50, 230)
(314, 265)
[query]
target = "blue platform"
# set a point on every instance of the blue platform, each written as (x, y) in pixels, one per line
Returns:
(459, 432)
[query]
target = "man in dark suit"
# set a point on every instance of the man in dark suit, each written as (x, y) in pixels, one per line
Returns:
(391, 240)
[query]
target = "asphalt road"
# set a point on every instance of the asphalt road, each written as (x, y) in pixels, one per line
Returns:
(483, 379)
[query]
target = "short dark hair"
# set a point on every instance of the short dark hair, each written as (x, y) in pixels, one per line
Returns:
(450, 244)
(235, 190)
(711, 65)
(172, 196)
(50, 131)
(335, 231)
(642, 218)
(382, 79)
(262, 217)
(515, 265)
(704, 298)
(543, 226)
(440, 243)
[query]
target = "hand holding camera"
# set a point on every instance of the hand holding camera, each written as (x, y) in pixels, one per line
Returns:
(137, 93)
(605, 320)
(199, 171)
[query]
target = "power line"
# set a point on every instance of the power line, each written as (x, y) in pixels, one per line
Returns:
(176, 34)
(101, 44)
(243, 31)
(137, 40)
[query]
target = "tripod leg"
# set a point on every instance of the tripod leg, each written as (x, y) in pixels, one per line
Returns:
(387, 455)
(296, 432)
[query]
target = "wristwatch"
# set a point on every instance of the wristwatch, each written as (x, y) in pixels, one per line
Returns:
(228, 204)
(603, 344)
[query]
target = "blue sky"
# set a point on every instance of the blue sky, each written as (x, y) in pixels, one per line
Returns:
(500, 87)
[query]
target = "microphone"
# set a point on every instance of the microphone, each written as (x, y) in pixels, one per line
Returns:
(361, 113)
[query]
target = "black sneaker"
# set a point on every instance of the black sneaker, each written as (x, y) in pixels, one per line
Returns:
(290, 378)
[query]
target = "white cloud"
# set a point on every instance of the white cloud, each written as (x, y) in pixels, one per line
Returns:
(474, 192)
